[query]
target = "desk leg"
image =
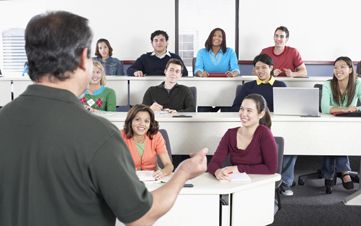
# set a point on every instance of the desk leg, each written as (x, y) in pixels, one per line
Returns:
(355, 198)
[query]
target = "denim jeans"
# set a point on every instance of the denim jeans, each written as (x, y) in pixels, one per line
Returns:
(334, 164)
(288, 169)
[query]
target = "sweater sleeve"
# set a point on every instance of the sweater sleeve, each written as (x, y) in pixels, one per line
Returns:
(190, 104)
(137, 66)
(220, 155)
(111, 100)
(233, 61)
(326, 98)
(269, 154)
(199, 65)
(147, 99)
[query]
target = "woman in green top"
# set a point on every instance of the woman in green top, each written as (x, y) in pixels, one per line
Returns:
(98, 97)
(340, 95)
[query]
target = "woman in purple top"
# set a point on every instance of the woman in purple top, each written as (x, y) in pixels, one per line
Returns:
(251, 147)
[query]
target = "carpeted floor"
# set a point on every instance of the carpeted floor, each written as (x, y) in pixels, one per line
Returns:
(311, 206)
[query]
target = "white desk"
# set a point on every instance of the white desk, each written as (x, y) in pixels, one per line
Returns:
(294, 82)
(325, 135)
(210, 91)
(249, 203)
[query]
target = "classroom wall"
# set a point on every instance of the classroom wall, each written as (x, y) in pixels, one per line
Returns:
(126, 24)
(321, 30)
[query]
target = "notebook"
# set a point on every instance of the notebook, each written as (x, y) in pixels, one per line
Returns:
(300, 101)
(217, 74)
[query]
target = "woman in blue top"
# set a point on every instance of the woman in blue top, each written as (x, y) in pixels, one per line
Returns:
(340, 95)
(104, 52)
(216, 57)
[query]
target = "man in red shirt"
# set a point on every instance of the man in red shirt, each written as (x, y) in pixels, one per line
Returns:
(287, 60)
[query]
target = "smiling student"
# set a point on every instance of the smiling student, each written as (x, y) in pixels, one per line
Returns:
(169, 95)
(216, 57)
(287, 60)
(145, 142)
(251, 146)
(153, 63)
(263, 85)
(338, 96)
(98, 97)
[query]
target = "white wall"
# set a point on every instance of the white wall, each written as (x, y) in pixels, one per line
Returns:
(319, 29)
(126, 24)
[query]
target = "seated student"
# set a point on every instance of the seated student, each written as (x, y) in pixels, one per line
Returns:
(145, 142)
(216, 57)
(287, 60)
(263, 65)
(169, 95)
(153, 63)
(104, 52)
(340, 95)
(263, 85)
(251, 147)
(98, 97)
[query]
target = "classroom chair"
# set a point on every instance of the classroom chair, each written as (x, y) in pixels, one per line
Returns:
(167, 144)
(194, 92)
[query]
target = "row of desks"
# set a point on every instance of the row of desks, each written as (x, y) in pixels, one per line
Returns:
(130, 90)
(325, 135)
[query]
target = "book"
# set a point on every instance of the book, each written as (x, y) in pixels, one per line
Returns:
(145, 175)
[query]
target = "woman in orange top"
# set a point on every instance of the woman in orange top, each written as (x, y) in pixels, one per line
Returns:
(145, 142)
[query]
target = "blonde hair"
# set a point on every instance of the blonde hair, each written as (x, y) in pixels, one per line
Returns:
(102, 71)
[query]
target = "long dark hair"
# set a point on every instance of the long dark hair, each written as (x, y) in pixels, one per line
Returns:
(208, 44)
(153, 128)
(351, 85)
(261, 105)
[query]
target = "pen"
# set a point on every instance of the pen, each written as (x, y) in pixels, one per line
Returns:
(230, 172)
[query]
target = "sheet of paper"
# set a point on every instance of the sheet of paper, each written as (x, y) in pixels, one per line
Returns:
(240, 177)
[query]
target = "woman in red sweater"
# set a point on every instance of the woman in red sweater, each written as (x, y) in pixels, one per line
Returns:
(251, 147)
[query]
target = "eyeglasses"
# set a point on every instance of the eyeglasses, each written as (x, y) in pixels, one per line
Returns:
(279, 36)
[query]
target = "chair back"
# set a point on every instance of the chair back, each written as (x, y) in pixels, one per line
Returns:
(280, 149)
(167, 144)
(194, 92)
(193, 64)
(319, 86)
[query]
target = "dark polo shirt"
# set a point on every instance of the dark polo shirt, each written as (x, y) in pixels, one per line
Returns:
(61, 165)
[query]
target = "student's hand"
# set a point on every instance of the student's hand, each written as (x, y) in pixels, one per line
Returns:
(277, 72)
(158, 174)
(202, 74)
(288, 72)
(351, 109)
(224, 173)
(232, 73)
(172, 111)
(195, 165)
(90, 108)
(138, 74)
(156, 107)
